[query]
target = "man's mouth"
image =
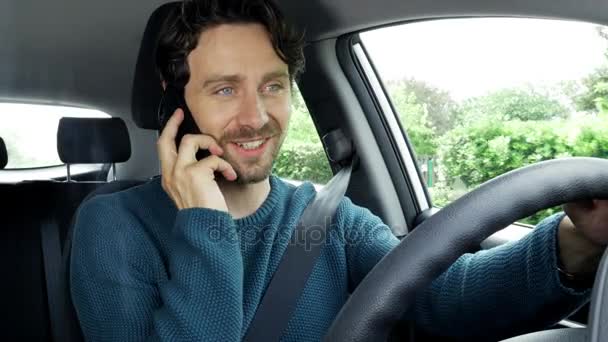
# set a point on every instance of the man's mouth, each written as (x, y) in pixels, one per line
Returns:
(251, 145)
(251, 148)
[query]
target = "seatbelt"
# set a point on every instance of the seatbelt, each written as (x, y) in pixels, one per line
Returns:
(288, 281)
(54, 276)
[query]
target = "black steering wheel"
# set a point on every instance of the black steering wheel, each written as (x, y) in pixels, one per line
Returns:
(388, 291)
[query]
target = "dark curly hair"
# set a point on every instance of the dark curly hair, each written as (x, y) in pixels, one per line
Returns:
(183, 26)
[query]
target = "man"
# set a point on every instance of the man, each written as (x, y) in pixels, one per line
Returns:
(188, 257)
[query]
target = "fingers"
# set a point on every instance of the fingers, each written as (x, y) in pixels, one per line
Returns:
(169, 132)
(190, 145)
(167, 151)
(600, 203)
(176, 161)
(579, 209)
(216, 164)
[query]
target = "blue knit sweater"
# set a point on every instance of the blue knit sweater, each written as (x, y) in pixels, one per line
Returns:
(141, 269)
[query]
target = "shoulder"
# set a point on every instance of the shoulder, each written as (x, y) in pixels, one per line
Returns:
(125, 199)
(111, 242)
(352, 213)
(296, 193)
(115, 218)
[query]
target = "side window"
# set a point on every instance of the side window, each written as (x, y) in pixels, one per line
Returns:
(30, 133)
(479, 97)
(302, 157)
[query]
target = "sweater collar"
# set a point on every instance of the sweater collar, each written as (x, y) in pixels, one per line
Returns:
(277, 191)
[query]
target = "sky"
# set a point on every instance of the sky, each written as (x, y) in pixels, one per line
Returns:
(468, 57)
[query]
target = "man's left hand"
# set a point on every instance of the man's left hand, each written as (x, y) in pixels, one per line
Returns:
(583, 235)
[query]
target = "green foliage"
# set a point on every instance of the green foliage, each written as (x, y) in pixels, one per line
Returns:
(414, 117)
(593, 99)
(440, 109)
(301, 126)
(592, 139)
(302, 156)
(488, 149)
(513, 104)
(601, 100)
(303, 161)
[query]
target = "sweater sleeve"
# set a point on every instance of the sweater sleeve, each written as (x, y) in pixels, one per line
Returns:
(491, 294)
(114, 282)
(501, 292)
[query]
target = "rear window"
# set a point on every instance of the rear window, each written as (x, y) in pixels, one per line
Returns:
(30, 132)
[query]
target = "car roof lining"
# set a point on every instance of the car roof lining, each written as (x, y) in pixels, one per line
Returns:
(83, 53)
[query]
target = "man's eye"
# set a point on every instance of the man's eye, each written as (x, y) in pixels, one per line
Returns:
(274, 88)
(225, 91)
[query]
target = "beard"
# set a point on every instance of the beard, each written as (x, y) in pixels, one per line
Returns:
(259, 169)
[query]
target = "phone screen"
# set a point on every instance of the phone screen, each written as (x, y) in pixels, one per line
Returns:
(173, 98)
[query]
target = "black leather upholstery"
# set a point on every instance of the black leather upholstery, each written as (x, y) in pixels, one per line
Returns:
(24, 206)
(3, 154)
(387, 292)
(93, 141)
(147, 89)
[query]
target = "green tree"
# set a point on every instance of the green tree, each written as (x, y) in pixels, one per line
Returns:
(595, 96)
(441, 110)
(513, 104)
(414, 118)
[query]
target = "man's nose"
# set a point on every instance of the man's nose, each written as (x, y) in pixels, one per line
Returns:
(253, 112)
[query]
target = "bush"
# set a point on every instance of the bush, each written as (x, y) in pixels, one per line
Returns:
(488, 149)
(303, 161)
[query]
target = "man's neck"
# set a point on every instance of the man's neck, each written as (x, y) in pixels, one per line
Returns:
(244, 199)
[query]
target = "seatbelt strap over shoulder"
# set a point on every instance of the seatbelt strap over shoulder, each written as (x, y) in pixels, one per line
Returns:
(289, 280)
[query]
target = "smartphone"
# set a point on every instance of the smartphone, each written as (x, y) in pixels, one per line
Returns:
(172, 99)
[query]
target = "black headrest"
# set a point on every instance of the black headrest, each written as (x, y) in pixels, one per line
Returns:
(3, 154)
(147, 90)
(93, 141)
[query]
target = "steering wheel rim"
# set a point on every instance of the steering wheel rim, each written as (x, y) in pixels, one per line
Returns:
(388, 290)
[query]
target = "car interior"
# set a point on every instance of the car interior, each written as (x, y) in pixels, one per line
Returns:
(98, 55)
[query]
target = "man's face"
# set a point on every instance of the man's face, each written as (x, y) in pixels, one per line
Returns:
(239, 93)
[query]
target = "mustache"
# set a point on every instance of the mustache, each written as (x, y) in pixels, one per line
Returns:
(271, 128)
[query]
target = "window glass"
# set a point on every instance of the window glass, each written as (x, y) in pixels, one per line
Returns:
(302, 157)
(479, 97)
(30, 132)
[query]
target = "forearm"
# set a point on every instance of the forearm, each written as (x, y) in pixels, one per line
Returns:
(508, 290)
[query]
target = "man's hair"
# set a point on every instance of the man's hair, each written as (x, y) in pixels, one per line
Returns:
(183, 26)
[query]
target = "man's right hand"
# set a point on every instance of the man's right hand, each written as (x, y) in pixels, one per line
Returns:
(191, 183)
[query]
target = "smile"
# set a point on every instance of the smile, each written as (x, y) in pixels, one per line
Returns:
(252, 145)
(252, 148)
